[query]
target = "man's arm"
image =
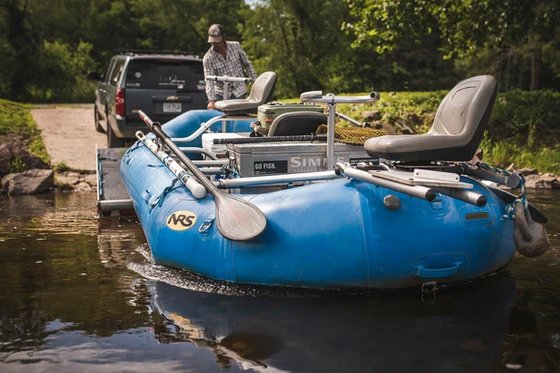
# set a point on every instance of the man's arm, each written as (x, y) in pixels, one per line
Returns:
(209, 86)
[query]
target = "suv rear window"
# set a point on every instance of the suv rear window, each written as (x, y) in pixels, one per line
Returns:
(116, 73)
(165, 74)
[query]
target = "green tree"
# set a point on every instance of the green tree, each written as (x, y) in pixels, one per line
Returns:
(7, 62)
(300, 41)
(173, 25)
(60, 73)
(515, 40)
(41, 40)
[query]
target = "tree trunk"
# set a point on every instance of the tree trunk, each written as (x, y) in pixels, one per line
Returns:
(535, 69)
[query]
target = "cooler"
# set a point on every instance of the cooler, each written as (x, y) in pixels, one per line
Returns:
(291, 157)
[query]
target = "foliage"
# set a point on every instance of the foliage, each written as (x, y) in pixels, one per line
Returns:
(7, 62)
(504, 154)
(415, 110)
(16, 120)
(60, 74)
(296, 40)
(511, 45)
(517, 41)
(61, 167)
(17, 165)
(527, 119)
(341, 46)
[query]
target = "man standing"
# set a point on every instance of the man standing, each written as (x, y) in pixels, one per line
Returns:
(225, 58)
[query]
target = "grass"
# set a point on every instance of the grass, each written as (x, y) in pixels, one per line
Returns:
(504, 153)
(61, 167)
(16, 121)
(415, 110)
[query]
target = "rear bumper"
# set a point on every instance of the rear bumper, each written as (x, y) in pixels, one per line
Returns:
(127, 129)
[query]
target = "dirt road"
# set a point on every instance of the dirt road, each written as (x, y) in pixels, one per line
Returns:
(69, 135)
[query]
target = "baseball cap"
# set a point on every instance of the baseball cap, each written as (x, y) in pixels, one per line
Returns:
(215, 33)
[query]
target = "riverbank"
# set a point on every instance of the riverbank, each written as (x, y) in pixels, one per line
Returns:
(53, 147)
(46, 147)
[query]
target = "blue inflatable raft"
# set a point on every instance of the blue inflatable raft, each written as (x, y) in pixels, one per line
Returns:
(282, 210)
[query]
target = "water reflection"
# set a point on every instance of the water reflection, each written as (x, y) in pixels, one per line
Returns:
(533, 340)
(54, 281)
(69, 302)
(463, 330)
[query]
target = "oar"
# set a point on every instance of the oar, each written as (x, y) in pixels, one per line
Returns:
(237, 219)
(508, 197)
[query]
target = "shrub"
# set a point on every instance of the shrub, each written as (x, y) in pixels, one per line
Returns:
(59, 75)
(526, 118)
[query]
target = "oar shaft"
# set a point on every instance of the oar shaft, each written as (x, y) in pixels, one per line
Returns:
(254, 140)
(156, 129)
(197, 190)
(464, 195)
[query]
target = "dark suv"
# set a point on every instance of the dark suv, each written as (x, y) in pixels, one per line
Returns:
(163, 85)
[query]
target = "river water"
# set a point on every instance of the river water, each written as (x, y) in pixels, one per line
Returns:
(79, 294)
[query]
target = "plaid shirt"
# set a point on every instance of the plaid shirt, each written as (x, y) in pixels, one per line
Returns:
(234, 65)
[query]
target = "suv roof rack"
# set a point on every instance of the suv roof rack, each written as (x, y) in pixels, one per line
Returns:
(132, 52)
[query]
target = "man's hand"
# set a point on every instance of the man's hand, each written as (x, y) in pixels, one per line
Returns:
(210, 105)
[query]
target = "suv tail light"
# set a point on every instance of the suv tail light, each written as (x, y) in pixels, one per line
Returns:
(119, 102)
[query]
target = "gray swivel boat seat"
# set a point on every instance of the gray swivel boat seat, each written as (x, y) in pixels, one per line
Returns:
(456, 131)
(297, 123)
(260, 93)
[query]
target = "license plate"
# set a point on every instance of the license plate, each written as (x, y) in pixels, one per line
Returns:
(171, 107)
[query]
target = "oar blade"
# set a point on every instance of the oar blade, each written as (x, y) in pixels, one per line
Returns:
(237, 219)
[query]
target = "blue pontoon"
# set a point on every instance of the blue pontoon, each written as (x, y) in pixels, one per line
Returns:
(285, 209)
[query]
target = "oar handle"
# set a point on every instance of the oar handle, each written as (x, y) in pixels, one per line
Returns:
(146, 119)
(226, 78)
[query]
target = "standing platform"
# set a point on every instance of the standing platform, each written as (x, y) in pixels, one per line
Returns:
(112, 196)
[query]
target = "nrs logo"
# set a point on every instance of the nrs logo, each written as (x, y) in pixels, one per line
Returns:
(181, 220)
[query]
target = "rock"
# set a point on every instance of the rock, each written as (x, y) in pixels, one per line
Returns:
(28, 182)
(404, 128)
(526, 171)
(414, 119)
(378, 125)
(544, 181)
(66, 180)
(371, 115)
(478, 155)
(83, 186)
(13, 151)
(76, 181)
(5, 158)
